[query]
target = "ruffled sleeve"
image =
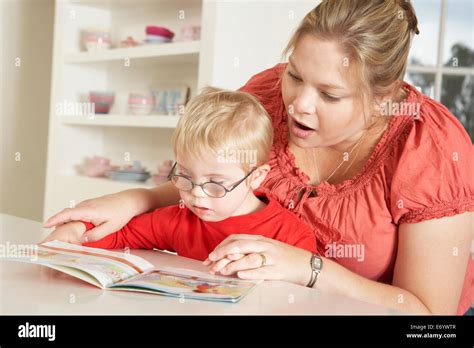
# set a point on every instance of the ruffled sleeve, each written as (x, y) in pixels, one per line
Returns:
(433, 176)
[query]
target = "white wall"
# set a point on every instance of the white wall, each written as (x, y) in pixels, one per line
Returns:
(247, 37)
(26, 31)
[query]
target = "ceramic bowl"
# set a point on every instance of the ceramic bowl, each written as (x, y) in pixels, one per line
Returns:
(156, 41)
(141, 110)
(94, 46)
(159, 31)
(141, 103)
(96, 166)
(96, 39)
(191, 32)
(133, 172)
(124, 176)
(103, 101)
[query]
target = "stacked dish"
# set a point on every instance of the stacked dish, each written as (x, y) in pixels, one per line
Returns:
(141, 103)
(158, 35)
(103, 101)
(135, 172)
(96, 39)
(96, 166)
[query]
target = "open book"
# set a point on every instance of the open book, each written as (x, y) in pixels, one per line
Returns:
(121, 271)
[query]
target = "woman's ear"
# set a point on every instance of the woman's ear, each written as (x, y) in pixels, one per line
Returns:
(258, 176)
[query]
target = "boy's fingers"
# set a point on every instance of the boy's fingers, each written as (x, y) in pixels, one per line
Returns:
(206, 262)
(48, 238)
(95, 234)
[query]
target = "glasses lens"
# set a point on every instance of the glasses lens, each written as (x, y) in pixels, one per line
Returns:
(182, 183)
(214, 190)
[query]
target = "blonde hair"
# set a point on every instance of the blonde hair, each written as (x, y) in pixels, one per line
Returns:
(218, 121)
(376, 33)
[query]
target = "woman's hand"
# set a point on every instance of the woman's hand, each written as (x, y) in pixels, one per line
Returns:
(241, 254)
(108, 213)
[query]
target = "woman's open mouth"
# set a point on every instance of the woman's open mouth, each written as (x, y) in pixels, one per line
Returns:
(301, 130)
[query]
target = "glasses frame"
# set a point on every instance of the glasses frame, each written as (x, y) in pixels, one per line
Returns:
(226, 190)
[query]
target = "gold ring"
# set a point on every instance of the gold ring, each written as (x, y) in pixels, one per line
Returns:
(264, 260)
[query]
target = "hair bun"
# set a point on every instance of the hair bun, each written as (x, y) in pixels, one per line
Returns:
(407, 6)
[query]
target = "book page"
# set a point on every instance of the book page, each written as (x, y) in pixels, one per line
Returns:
(107, 267)
(189, 284)
(77, 273)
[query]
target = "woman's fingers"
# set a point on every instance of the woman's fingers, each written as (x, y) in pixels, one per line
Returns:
(79, 212)
(64, 216)
(250, 261)
(234, 237)
(238, 246)
(235, 257)
(55, 219)
(232, 257)
(219, 265)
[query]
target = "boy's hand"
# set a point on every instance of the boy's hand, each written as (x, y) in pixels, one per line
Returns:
(70, 232)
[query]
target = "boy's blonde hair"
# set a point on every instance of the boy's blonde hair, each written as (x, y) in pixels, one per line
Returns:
(224, 123)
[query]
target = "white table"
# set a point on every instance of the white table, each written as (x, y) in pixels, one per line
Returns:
(35, 290)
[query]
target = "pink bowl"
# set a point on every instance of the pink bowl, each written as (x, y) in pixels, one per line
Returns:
(102, 96)
(96, 166)
(159, 31)
(98, 160)
(97, 40)
(141, 99)
(103, 101)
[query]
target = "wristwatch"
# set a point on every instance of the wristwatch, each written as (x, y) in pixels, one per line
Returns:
(316, 263)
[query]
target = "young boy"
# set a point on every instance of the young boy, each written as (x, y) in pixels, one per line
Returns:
(221, 144)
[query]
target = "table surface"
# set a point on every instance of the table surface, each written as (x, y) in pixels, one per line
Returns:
(37, 290)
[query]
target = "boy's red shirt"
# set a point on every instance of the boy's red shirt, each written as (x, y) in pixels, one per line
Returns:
(178, 229)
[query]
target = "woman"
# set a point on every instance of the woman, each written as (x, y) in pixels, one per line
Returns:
(379, 171)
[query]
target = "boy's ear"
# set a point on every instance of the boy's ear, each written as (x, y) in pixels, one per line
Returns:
(258, 176)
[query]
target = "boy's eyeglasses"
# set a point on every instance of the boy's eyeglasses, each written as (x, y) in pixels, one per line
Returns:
(212, 189)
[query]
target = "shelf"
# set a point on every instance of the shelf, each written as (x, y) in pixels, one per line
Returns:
(109, 120)
(147, 5)
(74, 134)
(185, 51)
(93, 186)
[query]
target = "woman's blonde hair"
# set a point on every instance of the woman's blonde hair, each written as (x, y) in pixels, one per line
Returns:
(229, 125)
(376, 33)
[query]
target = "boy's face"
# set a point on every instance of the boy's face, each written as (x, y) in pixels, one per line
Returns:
(201, 171)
